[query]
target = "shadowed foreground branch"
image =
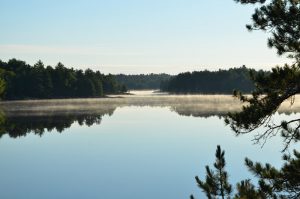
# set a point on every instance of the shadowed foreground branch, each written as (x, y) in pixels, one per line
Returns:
(272, 89)
(272, 183)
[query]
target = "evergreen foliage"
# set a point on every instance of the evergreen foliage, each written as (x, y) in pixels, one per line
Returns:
(207, 82)
(278, 183)
(2, 82)
(19, 80)
(246, 190)
(216, 184)
(271, 90)
(142, 82)
(282, 19)
(283, 183)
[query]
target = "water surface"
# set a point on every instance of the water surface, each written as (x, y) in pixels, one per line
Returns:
(143, 146)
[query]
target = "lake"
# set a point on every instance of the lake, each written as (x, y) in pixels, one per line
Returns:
(147, 145)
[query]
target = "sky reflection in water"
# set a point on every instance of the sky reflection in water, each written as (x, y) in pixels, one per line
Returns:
(132, 148)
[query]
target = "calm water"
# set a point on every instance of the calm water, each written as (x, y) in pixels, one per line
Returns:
(134, 147)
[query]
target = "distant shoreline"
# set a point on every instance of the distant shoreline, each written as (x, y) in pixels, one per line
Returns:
(136, 93)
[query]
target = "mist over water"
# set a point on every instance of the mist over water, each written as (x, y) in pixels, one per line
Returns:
(40, 116)
(195, 105)
(147, 145)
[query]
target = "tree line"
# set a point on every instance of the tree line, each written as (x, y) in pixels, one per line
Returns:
(19, 80)
(211, 82)
(142, 81)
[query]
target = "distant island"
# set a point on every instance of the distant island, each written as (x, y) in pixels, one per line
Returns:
(19, 80)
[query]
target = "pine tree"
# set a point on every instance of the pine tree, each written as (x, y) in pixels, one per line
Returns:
(246, 190)
(216, 184)
(273, 183)
(272, 89)
(278, 183)
(282, 19)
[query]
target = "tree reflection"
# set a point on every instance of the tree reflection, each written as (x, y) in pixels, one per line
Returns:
(21, 125)
(18, 118)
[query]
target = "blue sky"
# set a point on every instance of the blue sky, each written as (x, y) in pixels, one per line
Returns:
(133, 36)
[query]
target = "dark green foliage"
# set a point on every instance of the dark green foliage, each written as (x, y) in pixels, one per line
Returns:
(207, 82)
(282, 183)
(41, 78)
(19, 80)
(271, 90)
(110, 85)
(273, 183)
(139, 82)
(2, 83)
(5, 77)
(216, 184)
(246, 190)
(282, 19)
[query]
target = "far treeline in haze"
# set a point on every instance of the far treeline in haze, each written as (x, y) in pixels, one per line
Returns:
(211, 82)
(19, 80)
(142, 82)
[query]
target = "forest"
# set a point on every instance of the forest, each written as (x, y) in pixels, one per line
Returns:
(19, 80)
(211, 82)
(142, 81)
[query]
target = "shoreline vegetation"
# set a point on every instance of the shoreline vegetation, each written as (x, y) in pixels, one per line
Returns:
(211, 82)
(21, 81)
